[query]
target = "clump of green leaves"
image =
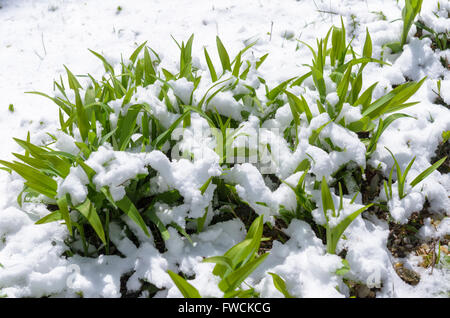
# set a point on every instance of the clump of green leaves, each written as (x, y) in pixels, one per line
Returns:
(86, 114)
(305, 203)
(401, 177)
(41, 165)
(334, 232)
(410, 11)
(349, 83)
(233, 267)
(440, 40)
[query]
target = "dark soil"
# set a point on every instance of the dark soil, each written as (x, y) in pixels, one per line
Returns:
(123, 286)
(146, 286)
(402, 238)
(403, 241)
(273, 233)
(371, 185)
(442, 151)
(361, 291)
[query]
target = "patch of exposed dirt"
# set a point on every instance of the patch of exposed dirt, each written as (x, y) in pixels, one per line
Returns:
(359, 290)
(442, 151)
(402, 239)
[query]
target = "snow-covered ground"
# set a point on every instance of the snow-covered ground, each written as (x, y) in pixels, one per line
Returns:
(37, 38)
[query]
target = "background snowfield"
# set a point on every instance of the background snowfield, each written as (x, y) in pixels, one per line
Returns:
(38, 37)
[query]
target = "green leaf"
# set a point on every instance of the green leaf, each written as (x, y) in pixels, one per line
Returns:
(445, 136)
(245, 250)
(82, 117)
(88, 170)
(343, 87)
(301, 79)
(402, 178)
(168, 197)
(151, 214)
(212, 71)
(273, 93)
(395, 47)
(405, 91)
(366, 97)
(393, 101)
(327, 200)
(367, 50)
(186, 289)
(237, 65)
(205, 185)
(336, 232)
(222, 260)
(186, 59)
(304, 165)
(149, 70)
(64, 210)
(41, 165)
(62, 104)
(319, 83)
(126, 127)
(52, 217)
(88, 210)
(294, 104)
(261, 60)
(107, 66)
(409, 12)
(427, 172)
(391, 118)
(182, 231)
(35, 179)
(201, 221)
(315, 134)
(129, 209)
(161, 140)
(280, 284)
(73, 82)
(126, 100)
(60, 166)
(136, 52)
(356, 88)
(224, 58)
(107, 136)
(232, 281)
(108, 196)
(382, 125)
(399, 175)
(344, 269)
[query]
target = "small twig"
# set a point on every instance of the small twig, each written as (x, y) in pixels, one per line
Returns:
(43, 44)
(40, 57)
(433, 258)
(329, 12)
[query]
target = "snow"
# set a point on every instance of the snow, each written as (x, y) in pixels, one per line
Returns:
(302, 261)
(226, 105)
(75, 185)
(38, 37)
(182, 89)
